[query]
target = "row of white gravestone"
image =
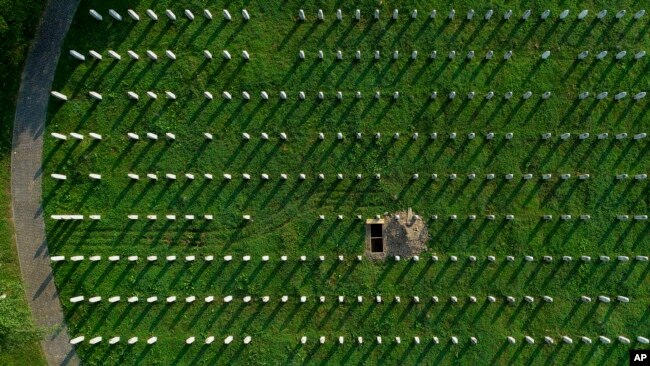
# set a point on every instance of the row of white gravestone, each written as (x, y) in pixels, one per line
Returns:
(600, 136)
(339, 55)
(134, 56)
(150, 54)
(473, 340)
(264, 95)
(547, 217)
(321, 95)
(341, 136)
(339, 95)
(378, 299)
(151, 340)
(75, 136)
(395, 55)
(171, 217)
(226, 176)
(416, 135)
(359, 176)
(210, 339)
(341, 176)
(398, 340)
(618, 96)
(584, 339)
(469, 56)
(111, 341)
(130, 258)
(413, 14)
(151, 14)
(507, 96)
(226, 55)
(508, 176)
(567, 217)
(74, 217)
(636, 217)
(150, 136)
(322, 217)
(602, 54)
(341, 258)
(131, 136)
(188, 258)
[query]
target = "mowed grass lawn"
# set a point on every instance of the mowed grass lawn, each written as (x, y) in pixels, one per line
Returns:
(285, 214)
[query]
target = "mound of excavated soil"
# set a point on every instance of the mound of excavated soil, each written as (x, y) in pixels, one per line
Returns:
(404, 237)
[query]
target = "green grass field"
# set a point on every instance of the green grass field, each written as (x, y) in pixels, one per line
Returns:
(285, 213)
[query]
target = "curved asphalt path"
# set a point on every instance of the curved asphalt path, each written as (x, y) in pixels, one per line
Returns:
(26, 171)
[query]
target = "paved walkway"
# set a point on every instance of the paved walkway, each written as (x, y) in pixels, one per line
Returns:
(29, 126)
